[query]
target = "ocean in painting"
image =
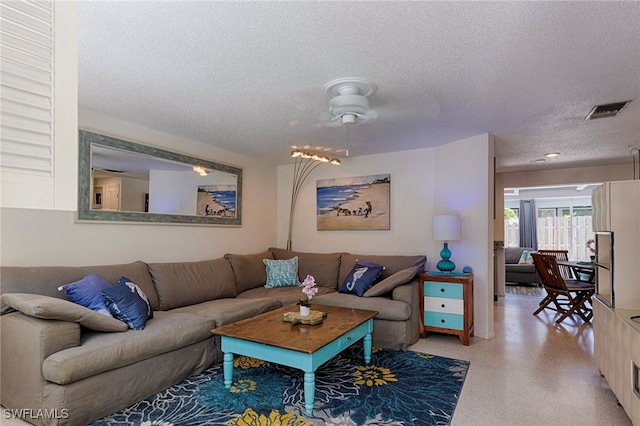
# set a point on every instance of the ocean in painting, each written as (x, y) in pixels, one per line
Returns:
(330, 197)
(224, 198)
(216, 200)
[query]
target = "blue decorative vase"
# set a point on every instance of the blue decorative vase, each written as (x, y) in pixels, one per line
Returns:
(445, 265)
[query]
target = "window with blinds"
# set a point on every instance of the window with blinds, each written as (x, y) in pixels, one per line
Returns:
(26, 87)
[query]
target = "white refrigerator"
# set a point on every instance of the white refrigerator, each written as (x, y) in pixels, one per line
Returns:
(616, 223)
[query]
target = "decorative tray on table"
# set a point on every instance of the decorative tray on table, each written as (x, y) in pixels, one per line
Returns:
(314, 318)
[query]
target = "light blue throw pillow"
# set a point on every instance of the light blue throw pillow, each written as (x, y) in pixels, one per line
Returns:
(526, 258)
(282, 273)
(88, 293)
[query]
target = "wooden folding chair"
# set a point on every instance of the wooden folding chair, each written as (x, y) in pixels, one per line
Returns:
(567, 297)
(565, 271)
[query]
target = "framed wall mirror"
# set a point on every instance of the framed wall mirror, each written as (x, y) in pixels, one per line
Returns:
(123, 181)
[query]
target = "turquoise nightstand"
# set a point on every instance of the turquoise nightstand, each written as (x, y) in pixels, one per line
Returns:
(446, 304)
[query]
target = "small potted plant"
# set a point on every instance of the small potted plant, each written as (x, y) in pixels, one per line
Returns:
(309, 290)
(589, 245)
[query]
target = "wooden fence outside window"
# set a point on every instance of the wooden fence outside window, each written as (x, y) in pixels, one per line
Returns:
(557, 233)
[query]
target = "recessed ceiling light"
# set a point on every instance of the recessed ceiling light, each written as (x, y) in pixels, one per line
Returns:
(552, 154)
(539, 160)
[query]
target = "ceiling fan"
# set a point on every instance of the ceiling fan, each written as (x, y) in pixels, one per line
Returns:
(349, 103)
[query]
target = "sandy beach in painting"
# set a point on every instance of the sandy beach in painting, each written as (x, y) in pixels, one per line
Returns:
(377, 195)
(205, 199)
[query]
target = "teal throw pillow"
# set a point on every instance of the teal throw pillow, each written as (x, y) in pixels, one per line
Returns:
(526, 258)
(282, 273)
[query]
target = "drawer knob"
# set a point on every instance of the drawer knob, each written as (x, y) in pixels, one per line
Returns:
(442, 321)
(442, 290)
(442, 305)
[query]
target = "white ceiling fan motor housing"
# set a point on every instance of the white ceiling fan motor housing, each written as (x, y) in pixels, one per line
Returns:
(349, 100)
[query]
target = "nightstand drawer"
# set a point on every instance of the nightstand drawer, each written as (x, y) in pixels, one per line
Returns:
(442, 320)
(447, 306)
(448, 290)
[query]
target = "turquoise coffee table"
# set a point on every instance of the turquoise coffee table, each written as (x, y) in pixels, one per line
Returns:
(306, 347)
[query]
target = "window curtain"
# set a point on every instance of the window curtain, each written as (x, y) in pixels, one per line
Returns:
(528, 224)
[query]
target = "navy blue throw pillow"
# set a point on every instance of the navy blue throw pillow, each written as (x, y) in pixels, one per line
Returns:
(128, 303)
(88, 293)
(361, 278)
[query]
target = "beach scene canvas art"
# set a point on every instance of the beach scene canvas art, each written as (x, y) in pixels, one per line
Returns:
(217, 200)
(354, 203)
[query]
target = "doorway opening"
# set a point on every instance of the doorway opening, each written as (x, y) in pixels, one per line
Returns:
(561, 218)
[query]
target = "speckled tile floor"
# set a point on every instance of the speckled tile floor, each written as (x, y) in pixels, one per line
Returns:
(532, 373)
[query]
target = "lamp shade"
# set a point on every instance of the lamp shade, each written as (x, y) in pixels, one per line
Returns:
(446, 227)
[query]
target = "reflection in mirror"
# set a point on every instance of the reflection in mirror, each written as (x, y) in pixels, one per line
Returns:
(125, 181)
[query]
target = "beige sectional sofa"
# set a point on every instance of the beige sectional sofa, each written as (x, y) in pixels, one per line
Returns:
(61, 364)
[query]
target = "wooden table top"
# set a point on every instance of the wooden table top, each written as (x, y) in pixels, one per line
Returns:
(269, 329)
(576, 264)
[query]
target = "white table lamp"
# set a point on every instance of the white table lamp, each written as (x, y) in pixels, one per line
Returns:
(446, 228)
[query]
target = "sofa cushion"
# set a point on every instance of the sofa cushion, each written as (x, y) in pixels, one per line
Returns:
(43, 280)
(185, 283)
(513, 254)
(361, 278)
(284, 295)
(523, 268)
(391, 282)
(392, 263)
(128, 303)
(388, 309)
(282, 273)
(100, 352)
(323, 267)
(87, 292)
(227, 311)
(46, 307)
(249, 269)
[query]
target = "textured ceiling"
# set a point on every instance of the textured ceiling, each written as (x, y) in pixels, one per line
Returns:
(248, 76)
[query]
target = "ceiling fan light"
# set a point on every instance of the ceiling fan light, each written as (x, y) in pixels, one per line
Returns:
(200, 170)
(348, 119)
(335, 161)
(306, 155)
(296, 153)
(324, 158)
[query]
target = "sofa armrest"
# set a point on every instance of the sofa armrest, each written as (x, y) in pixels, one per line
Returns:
(25, 343)
(409, 293)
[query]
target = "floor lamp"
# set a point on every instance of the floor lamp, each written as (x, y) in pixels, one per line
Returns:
(446, 228)
(305, 163)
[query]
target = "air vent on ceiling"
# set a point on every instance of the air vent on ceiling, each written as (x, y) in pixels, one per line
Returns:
(608, 110)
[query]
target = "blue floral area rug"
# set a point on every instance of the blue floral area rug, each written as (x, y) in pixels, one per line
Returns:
(395, 388)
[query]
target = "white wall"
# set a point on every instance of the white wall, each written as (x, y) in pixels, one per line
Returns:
(411, 206)
(463, 185)
(453, 178)
(52, 237)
